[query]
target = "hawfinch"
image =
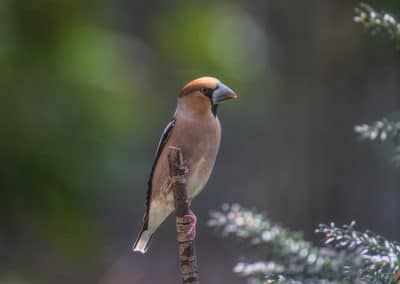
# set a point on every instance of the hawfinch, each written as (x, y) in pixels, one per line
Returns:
(196, 130)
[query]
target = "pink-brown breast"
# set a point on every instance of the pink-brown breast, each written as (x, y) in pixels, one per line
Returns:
(199, 141)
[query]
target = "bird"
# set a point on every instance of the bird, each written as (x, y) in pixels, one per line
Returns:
(196, 130)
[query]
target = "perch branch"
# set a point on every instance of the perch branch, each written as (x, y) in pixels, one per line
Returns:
(187, 253)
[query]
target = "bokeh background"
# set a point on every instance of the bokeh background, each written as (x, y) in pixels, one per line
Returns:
(86, 88)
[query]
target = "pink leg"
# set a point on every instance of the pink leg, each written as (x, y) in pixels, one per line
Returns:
(192, 230)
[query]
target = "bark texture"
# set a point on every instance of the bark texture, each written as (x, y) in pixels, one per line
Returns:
(187, 253)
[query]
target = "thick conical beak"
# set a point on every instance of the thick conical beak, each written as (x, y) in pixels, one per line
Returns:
(222, 93)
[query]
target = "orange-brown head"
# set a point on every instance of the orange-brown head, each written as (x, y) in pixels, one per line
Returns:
(202, 96)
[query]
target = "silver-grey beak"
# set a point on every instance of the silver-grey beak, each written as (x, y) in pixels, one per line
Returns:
(222, 93)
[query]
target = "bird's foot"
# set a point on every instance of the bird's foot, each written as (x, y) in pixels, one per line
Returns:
(193, 222)
(166, 186)
(185, 168)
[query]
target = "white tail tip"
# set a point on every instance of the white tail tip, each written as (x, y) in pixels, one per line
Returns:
(143, 241)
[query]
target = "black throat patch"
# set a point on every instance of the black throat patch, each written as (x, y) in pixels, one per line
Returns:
(214, 108)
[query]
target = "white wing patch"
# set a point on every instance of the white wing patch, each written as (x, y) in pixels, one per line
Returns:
(164, 134)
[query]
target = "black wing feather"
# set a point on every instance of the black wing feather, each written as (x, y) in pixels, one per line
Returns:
(164, 138)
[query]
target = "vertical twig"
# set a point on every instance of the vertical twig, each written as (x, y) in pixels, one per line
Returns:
(187, 253)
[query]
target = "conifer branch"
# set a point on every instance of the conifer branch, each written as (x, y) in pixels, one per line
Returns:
(378, 22)
(348, 256)
(380, 257)
(383, 131)
(380, 130)
(288, 256)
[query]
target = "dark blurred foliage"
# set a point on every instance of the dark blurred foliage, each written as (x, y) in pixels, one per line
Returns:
(87, 86)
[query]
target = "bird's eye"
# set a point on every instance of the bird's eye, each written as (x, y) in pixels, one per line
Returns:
(206, 91)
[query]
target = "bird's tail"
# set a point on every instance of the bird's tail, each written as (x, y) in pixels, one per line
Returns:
(143, 241)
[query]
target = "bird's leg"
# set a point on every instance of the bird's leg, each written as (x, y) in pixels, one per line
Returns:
(193, 222)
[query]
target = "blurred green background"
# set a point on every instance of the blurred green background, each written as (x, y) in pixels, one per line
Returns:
(86, 88)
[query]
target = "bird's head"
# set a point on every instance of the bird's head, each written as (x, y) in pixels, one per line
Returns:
(202, 96)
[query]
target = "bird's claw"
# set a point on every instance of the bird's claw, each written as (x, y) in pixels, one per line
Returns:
(193, 221)
(166, 186)
(185, 168)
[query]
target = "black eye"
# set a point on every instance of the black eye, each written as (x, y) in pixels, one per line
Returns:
(206, 91)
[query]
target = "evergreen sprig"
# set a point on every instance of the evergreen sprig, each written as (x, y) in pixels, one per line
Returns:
(378, 22)
(349, 256)
(382, 130)
(289, 258)
(380, 257)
